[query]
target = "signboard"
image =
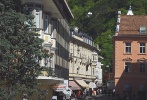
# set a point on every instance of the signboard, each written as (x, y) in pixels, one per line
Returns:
(59, 87)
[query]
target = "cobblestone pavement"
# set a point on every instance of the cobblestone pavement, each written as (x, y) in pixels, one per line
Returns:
(99, 97)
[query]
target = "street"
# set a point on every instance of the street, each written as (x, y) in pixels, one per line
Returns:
(100, 97)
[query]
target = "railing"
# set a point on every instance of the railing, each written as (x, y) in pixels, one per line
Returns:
(54, 72)
(70, 56)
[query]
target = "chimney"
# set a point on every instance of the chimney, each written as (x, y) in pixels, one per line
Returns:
(118, 22)
(118, 18)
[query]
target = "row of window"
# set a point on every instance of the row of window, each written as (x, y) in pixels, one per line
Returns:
(142, 48)
(128, 67)
(46, 19)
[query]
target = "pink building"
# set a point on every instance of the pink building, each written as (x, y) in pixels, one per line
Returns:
(130, 55)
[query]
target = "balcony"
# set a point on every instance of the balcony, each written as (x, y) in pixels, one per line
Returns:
(86, 61)
(52, 72)
(94, 61)
(70, 56)
(47, 44)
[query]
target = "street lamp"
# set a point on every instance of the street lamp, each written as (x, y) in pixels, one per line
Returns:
(86, 18)
(89, 14)
(107, 68)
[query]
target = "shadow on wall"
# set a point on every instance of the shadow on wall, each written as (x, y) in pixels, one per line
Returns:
(132, 83)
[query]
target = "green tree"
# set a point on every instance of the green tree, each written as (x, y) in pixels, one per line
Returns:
(20, 50)
(101, 26)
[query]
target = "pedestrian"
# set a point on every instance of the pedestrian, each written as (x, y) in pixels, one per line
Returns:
(64, 98)
(113, 93)
(92, 92)
(79, 94)
(84, 93)
(100, 91)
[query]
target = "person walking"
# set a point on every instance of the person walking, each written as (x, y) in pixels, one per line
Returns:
(84, 93)
(79, 94)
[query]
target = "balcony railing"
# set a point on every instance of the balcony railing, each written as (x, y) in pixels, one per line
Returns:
(53, 72)
(70, 56)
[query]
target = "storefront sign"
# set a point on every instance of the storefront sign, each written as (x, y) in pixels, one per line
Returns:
(59, 87)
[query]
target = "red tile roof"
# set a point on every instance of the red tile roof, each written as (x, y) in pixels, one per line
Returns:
(131, 24)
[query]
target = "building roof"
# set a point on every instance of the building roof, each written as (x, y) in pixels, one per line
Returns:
(131, 24)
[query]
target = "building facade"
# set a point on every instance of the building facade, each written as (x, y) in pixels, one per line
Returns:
(51, 18)
(83, 61)
(130, 56)
(98, 69)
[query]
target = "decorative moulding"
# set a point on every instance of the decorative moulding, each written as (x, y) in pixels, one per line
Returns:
(142, 60)
(127, 59)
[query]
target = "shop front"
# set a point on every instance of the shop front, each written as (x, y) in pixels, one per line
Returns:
(61, 92)
(45, 89)
(74, 87)
(84, 87)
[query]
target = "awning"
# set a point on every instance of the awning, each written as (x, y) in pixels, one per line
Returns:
(82, 83)
(73, 85)
(92, 85)
(49, 80)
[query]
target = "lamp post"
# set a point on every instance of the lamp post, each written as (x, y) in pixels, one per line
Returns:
(88, 15)
(107, 68)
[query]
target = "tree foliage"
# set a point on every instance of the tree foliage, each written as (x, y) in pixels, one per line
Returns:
(101, 26)
(20, 50)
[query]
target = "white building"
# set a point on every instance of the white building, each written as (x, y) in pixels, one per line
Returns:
(98, 75)
(83, 61)
(52, 24)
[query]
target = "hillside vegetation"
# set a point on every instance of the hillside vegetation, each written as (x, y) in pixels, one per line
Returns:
(101, 25)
